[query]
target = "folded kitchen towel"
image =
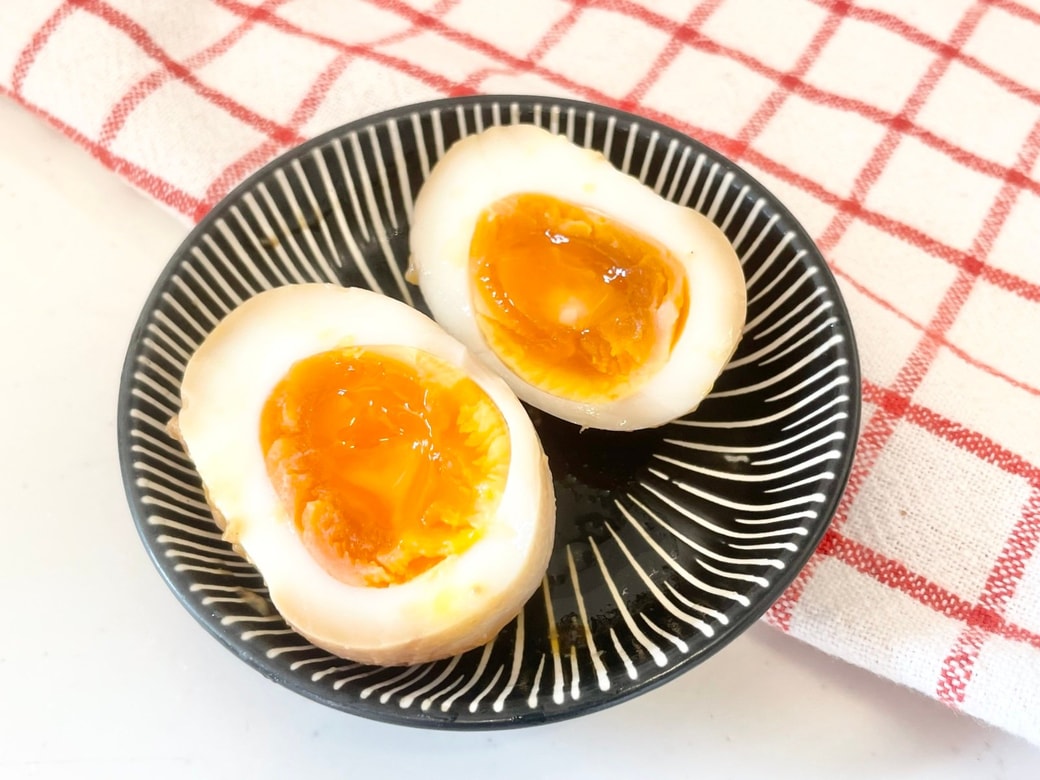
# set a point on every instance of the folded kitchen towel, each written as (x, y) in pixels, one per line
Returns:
(904, 135)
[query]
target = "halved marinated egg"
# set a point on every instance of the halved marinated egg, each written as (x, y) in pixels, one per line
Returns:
(389, 488)
(596, 299)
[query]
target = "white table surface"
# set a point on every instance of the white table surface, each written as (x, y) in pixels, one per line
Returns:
(103, 674)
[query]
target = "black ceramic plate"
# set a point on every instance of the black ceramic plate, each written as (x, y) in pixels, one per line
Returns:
(670, 542)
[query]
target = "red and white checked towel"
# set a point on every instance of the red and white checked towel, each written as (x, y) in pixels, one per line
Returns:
(904, 135)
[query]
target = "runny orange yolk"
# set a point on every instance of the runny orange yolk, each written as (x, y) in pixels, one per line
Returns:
(386, 459)
(575, 303)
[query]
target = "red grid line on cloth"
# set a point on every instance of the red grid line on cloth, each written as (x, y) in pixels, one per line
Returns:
(36, 43)
(156, 186)
(941, 338)
(551, 37)
(419, 73)
(280, 134)
(137, 94)
(1003, 580)
(1009, 567)
(556, 32)
(310, 103)
(883, 153)
(520, 64)
(896, 575)
(772, 104)
(269, 147)
(1017, 9)
(697, 17)
(921, 38)
(967, 439)
(883, 422)
(314, 97)
(140, 36)
(959, 258)
(986, 617)
(964, 438)
(794, 82)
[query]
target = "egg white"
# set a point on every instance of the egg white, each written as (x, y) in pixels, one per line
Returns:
(457, 604)
(500, 161)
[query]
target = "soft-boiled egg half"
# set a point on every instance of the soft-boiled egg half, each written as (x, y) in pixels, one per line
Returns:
(596, 299)
(390, 489)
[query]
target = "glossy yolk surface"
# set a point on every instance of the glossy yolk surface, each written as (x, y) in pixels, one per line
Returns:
(386, 459)
(575, 303)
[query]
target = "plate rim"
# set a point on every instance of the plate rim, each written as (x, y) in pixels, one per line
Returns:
(656, 676)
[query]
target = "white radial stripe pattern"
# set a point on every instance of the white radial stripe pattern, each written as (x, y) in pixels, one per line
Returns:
(633, 133)
(771, 445)
(768, 419)
(768, 265)
(702, 197)
(182, 356)
(166, 463)
(691, 181)
(374, 215)
(665, 166)
(179, 310)
(677, 179)
(238, 252)
(202, 284)
(474, 678)
(776, 304)
(659, 657)
(788, 371)
(827, 324)
(554, 644)
(293, 224)
(421, 673)
(514, 674)
(702, 552)
(760, 238)
(759, 477)
(285, 271)
(225, 274)
(281, 235)
(532, 697)
(351, 246)
(215, 552)
(601, 672)
(680, 645)
(700, 625)
(402, 169)
(407, 700)
(707, 590)
(745, 226)
(384, 180)
(154, 385)
(325, 257)
(669, 541)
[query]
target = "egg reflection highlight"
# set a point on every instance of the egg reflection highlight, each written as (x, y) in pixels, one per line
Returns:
(390, 489)
(596, 299)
